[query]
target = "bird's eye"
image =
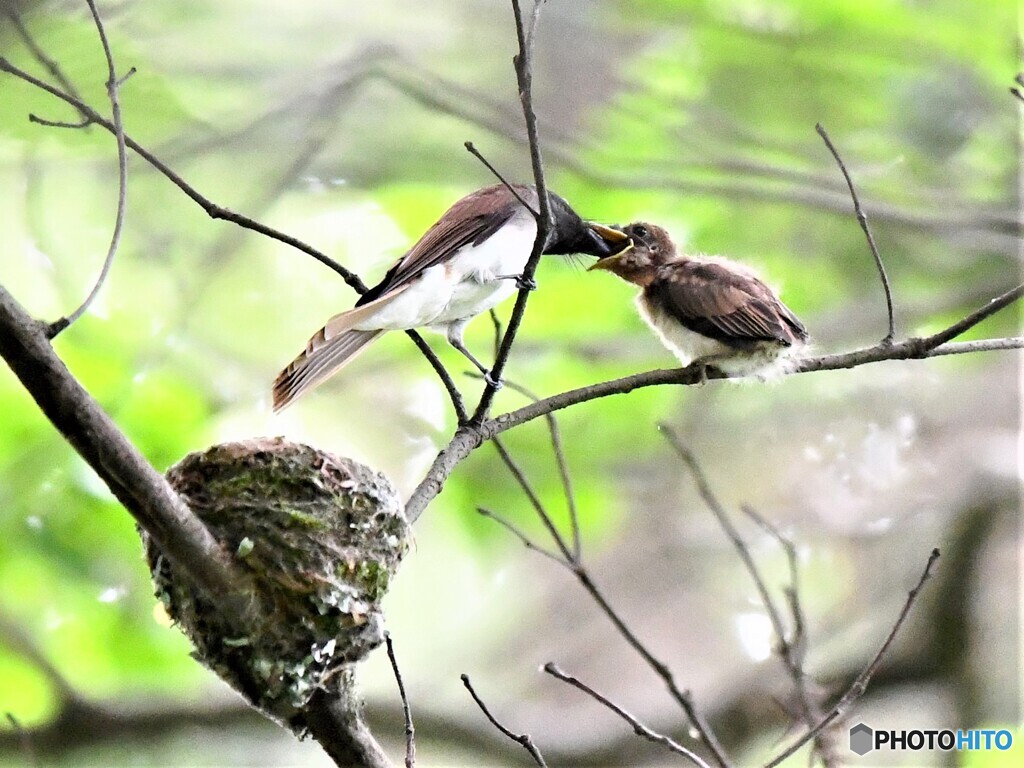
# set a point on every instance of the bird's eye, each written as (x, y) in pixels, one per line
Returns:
(640, 230)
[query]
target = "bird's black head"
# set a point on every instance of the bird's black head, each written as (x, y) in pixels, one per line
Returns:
(571, 234)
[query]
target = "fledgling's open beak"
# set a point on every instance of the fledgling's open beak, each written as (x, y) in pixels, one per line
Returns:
(607, 240)
(609, 262)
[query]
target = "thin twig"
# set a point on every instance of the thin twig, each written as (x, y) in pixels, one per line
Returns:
(487, 164)
(216, 211)
(410, 732)
(522, 63)
(212, 210)
(1019, 80)
(798, 637)
(638, 728)
(863, 219)
(860, 685)
(534, 499)
(24, 740)
(563, 469)
(48, 63)
(523, 739)
(809, 713)
(113, 85)
(526, 540)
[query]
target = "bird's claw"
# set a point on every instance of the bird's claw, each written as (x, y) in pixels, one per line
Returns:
(492, 382)
(526, 283)
(523, 283)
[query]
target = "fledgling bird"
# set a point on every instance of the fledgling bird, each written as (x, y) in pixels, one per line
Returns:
(707, 310)
(465, 264)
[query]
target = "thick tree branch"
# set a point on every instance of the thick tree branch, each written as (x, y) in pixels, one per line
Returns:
(338, 726)
(139, 487)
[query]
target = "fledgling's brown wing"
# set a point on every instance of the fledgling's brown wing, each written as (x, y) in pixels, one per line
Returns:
(470, 221)
(723, 304)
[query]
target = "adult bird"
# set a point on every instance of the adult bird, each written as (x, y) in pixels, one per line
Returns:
(465, 264)
(707, 310)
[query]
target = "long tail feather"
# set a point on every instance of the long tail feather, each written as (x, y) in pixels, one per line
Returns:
(321, 359)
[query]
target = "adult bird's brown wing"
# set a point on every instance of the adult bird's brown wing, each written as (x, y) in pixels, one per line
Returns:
(724, 304)
(470, 221)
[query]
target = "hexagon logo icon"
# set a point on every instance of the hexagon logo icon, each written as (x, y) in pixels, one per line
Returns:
(861, 739)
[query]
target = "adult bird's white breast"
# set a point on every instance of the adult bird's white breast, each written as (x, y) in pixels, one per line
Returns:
(462, 287)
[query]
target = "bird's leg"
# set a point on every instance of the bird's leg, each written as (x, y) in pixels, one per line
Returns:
(521, 281)
(454, 336)
(702, 372)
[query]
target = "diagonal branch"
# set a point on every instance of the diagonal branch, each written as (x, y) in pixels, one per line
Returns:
(860, 685)
(863, 220)
(791, 657)
(639, 728)
(216, 211)
(523, 739)
(139, 487)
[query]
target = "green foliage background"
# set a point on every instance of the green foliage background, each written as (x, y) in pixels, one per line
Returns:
(697, 115)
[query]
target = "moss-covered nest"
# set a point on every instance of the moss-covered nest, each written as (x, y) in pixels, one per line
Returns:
(322, 536)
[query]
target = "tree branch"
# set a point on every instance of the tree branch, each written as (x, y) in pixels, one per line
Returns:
(216, 211)
(638, 728)
(139, 487)
(860, 685)
(863, 220)
(113, 84)
(524, 77)
(523, 739)
(410, 731)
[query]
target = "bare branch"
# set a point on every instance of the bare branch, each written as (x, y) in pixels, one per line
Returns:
(48, 64)
(139, 487)
(470, 436)
(523, 739)
(113, 84)
(336, 722)
(791, 659)
(524, 77)
(639, 728)
(863, 219)
(533, 498)
(215, 211)
(410, 732)
(563, 469)
(860, 685)
(526, 540)
(487, 164)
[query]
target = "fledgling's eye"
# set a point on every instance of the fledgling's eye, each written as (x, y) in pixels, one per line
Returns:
(640, 230)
